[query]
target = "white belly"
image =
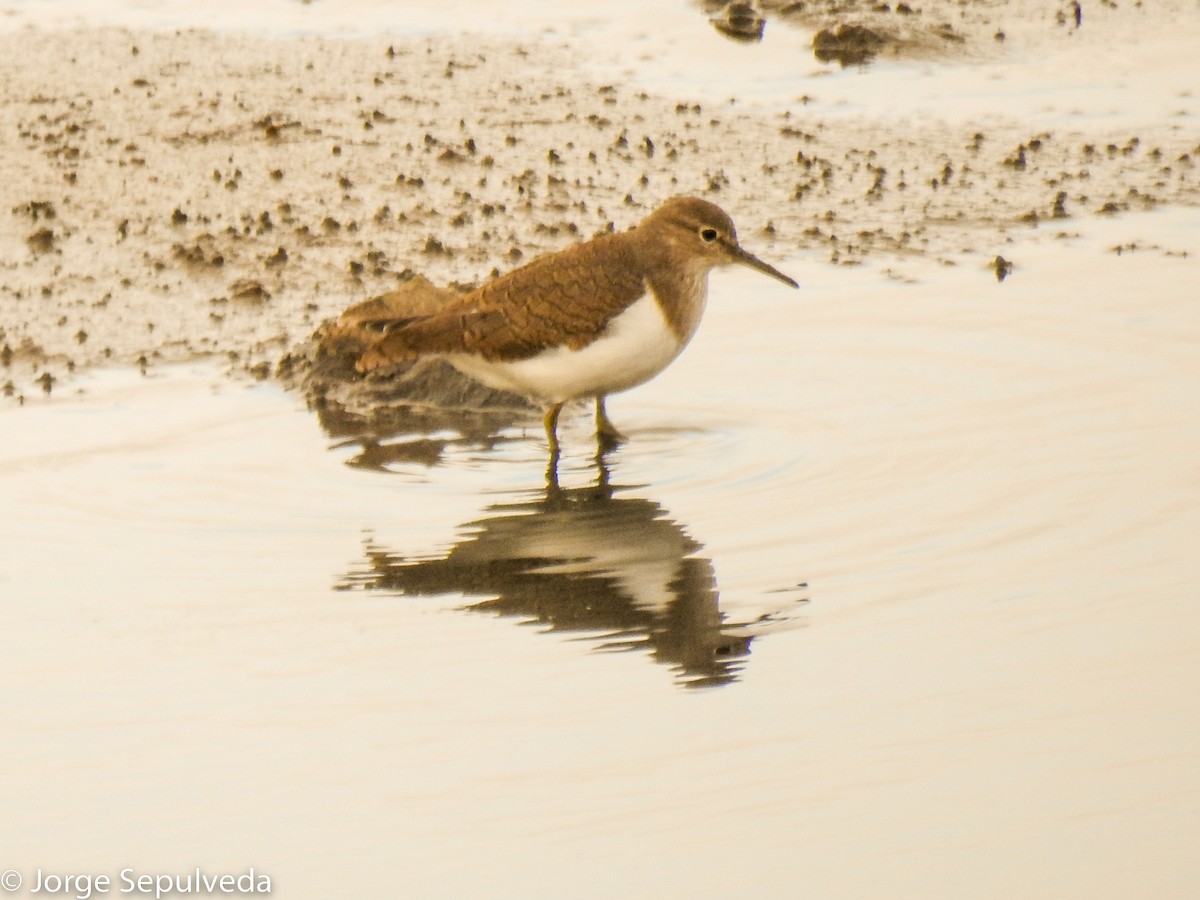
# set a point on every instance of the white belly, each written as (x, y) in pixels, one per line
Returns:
(636, 346)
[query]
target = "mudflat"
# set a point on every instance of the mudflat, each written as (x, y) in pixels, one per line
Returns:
(174, 194)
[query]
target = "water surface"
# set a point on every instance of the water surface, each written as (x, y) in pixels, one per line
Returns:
(891, 592)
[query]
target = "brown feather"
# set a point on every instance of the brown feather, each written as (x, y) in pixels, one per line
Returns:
(564, 298)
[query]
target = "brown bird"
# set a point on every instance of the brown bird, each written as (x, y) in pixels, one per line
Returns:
(591, 320)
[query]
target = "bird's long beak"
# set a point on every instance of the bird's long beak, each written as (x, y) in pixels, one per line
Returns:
(746, 258)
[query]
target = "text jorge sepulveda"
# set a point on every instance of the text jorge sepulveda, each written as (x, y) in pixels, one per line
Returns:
(131, 882)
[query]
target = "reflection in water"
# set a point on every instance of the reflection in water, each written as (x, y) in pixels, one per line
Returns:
(399, 433)
(585, 560)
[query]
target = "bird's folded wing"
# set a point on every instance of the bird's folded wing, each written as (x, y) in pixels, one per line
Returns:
(564, 299)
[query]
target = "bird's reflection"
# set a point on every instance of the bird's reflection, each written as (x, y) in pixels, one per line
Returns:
(616, 569)
(428, 431)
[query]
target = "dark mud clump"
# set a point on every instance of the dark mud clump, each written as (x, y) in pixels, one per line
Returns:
(42, 240)
(849, 45)
(739, 21)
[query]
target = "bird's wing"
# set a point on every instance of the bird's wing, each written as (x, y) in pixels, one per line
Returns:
(564, 298)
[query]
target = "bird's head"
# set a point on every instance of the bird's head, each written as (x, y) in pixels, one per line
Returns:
(702, 234)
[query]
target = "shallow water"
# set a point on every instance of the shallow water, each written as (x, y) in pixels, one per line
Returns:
(891, 592)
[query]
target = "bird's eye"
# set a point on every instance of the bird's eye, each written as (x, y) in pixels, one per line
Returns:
(708, 235)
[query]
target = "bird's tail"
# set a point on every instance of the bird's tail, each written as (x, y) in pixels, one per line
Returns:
(378, 325)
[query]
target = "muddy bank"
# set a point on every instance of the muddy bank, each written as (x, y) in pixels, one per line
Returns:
(175, 195)
(853, 33)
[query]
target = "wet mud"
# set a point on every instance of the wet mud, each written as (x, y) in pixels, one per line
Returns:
(850, 32)
(180, 195)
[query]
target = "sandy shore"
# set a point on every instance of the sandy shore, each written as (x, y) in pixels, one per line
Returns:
(181, 194)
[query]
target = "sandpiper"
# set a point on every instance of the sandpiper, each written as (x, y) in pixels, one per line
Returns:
(591, 320)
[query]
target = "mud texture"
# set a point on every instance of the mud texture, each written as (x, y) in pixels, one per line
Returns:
(854, 32)
(178, 195)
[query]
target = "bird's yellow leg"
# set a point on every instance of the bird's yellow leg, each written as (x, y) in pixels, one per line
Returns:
(606, 431)
(550, 421)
